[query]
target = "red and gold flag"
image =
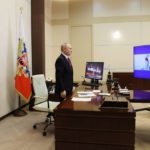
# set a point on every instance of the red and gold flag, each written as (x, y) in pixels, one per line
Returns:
(22, 79)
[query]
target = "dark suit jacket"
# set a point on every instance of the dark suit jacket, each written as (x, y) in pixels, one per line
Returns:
(63, 75)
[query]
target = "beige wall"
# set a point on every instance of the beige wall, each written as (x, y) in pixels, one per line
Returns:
(130, 18)
(48, 39)
(9, 15)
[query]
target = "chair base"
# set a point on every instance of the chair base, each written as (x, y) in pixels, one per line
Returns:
(47, 122)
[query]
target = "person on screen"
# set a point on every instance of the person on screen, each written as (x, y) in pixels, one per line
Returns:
(64, 72)
(147, 66)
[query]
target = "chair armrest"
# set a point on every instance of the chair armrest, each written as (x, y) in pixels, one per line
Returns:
(40, 97)
(44, 107)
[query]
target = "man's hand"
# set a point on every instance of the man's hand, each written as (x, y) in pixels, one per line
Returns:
(73, 89)
(63, 94)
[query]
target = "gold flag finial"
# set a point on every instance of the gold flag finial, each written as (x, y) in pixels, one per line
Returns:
(21, 9)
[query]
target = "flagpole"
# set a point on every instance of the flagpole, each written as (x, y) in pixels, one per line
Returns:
(21, 9)
(20, 111)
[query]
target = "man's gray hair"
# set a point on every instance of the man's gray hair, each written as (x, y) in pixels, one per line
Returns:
(63, 46)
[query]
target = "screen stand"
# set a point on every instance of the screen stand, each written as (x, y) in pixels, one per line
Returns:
(95, 83)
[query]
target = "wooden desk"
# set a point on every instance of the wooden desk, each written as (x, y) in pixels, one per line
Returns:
(83, 126)
(140, 96)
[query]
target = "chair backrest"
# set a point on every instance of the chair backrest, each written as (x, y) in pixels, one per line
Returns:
(40, 88)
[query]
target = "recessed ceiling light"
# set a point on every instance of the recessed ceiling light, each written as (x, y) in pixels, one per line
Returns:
(116, 35)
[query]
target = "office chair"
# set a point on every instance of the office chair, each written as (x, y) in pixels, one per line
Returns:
(42, 101)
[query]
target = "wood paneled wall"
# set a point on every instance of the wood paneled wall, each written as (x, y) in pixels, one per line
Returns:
(38, 36)
(127, 79)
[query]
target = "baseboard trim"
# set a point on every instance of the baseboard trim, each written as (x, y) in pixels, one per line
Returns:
(10, 113)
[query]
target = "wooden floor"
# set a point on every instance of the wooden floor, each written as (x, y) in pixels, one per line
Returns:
(17, 133)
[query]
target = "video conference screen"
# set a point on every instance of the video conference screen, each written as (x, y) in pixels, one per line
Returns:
(142, 61)
(94, 70)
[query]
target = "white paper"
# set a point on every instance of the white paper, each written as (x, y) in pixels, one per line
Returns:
(96, 91)
(104, 94)
(77, 99)
(85, 92)
(86, 95)
(124, 91)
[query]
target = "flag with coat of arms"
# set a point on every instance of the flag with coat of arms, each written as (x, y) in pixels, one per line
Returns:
(22, 79)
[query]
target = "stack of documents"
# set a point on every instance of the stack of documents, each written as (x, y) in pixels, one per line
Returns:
(104, 94)
(78, 99)
(96, 91)
(124, 91)
(85, 94)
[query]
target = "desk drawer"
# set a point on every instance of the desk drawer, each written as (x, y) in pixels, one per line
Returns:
(86, 146)
(95, 137)
(98, 123)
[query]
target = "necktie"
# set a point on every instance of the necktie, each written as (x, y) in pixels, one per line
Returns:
(70, 62)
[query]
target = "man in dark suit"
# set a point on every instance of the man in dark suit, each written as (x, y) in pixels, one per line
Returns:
(64, 72)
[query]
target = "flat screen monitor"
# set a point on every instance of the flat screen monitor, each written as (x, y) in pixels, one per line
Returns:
(94, 71)
(142, 61)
